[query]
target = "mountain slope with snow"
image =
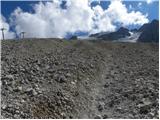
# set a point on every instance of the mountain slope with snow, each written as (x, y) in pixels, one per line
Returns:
(147, 33)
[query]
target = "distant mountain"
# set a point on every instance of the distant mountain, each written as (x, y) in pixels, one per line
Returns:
(120, 33)
(134, 30)
(74, 37)
(132, 38)
(149, 32)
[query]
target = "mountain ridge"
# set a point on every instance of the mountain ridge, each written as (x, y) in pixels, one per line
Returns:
(148, 32)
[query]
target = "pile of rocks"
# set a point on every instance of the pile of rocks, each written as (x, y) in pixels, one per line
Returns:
(79, 79)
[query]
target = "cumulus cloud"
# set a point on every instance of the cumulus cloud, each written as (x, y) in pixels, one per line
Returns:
(139, 4)
(7, 33)
(149, 1)
(119, 14)
(130, 7)
(51, 20)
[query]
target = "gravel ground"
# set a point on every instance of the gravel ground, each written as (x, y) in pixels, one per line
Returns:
(49, 78)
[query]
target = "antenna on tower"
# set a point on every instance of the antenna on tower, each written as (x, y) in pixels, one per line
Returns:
(2, 29)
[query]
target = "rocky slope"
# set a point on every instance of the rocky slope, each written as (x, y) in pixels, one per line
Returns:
(150, 32)
(53, 78)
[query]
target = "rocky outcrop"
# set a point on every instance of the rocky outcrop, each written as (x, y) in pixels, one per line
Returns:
(149, 32)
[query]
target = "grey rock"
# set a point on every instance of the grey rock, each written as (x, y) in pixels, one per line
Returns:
(98, 117)
(106, 85)
(92, 66)
(31, 91)
(79, 72)
(68, 75)
(61, 79)
(3, 106)
(9, 77)
(18, 89)
(144, 109)
(100, 107)
(105, 116)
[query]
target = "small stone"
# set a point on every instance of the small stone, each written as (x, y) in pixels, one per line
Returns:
(34, 92)
(61, 79)
(119, 109)
(105, 116)
(130, 116)
(144, 107)
(107, 77)
(38, 62)
(3, 107)
(56, 75)
(18, 89)
(10, 106)
(10, 88)
(17, 111)
(31, 92)
(73, 83)
(98, 117)
(144, 110)
(146, 102)
(39, 92)
(62, 114)
(51, 70)
(100, 108)
(47, 67)
(73, 64)
(152, 114)
(9, 77)
(16, 116)
(22, 69)
(35, 86)
(22, 101)
(91, 65)
(56, 63)
(87, 79)
(76, 93)
(70, 117)
(106, 85)
(68, 75)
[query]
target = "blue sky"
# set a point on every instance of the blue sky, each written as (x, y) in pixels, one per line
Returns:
(7, 7)
(152, 9)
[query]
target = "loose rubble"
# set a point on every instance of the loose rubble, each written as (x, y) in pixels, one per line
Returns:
(52, 78)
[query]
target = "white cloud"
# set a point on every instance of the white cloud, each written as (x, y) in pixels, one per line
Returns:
(149, 1)
(130, 7)
(50, 20)
(139, 4)
(102, 23)
(3, 24)
(119, 14)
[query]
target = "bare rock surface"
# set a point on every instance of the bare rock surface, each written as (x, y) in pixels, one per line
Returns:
(53, 78)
